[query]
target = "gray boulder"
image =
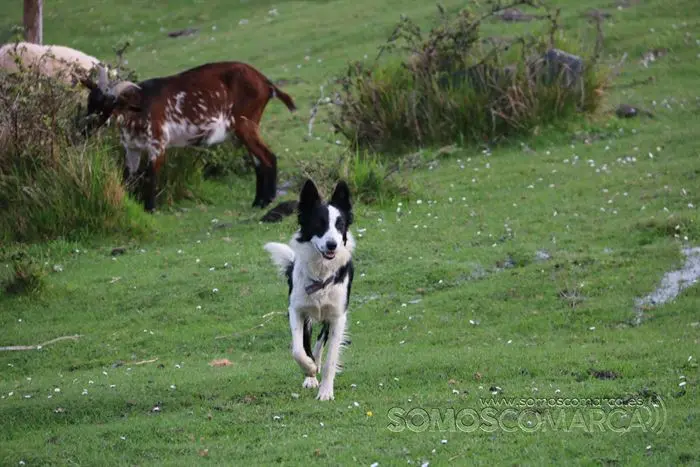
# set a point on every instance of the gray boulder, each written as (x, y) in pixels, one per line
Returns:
(558, 67)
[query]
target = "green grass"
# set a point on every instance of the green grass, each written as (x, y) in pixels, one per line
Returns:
(609, 228)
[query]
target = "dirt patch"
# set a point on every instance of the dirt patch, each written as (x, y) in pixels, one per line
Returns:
(672, 284)
(219, 362)
(603, 374)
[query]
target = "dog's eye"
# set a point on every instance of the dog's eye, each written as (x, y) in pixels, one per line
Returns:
(340, 223)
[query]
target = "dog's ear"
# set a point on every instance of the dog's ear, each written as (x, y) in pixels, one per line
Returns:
(309, 195)
(341, 199)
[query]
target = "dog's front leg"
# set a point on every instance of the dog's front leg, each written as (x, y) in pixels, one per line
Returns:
(320, 343)
(296, 323)
(335, 339)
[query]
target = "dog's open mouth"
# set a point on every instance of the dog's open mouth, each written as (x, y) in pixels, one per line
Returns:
(326, 254)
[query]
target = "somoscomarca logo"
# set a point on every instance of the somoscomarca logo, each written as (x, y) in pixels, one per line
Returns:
(536, 415)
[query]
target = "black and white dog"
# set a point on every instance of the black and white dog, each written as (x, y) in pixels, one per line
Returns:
(319, 270)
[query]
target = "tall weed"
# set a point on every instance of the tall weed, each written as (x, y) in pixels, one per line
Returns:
(451, 85)
(54, 182)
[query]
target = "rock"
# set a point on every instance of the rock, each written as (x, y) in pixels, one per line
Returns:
(603, 374)
(507, 263)
(512, 15)
(626, 111)
(183, 32)
(557, 65)
(279, 212)
(118, 251)
(541, 255)
(653, 55)
(629, 111)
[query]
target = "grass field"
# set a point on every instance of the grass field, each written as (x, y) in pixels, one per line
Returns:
(513, 272)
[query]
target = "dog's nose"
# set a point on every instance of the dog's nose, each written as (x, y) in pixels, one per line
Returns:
(331, 245)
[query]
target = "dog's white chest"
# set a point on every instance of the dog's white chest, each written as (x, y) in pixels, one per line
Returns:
(325, 304)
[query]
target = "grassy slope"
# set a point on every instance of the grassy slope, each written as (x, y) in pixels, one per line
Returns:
(144, 304)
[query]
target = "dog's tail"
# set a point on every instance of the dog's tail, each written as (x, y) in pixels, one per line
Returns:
(282, 255)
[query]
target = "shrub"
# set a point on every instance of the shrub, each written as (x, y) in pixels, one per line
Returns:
(226, 159)
(38, 115)
(451, 86)
(27, 277)
(184, 170)
(371, 178)
(54, 183)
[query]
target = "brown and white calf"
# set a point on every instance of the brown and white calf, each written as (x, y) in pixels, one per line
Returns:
(202, 106)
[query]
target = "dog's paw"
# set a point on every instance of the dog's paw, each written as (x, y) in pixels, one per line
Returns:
(310, 382)
(325, 393)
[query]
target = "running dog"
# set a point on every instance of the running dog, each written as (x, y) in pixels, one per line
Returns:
(318, 266)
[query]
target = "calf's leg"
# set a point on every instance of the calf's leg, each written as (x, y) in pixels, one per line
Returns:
(150, 188)
(266, 162)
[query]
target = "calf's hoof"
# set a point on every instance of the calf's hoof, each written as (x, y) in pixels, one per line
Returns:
(149, 207)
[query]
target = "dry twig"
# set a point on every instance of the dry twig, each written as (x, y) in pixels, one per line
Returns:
(39, 346)
(143, 362)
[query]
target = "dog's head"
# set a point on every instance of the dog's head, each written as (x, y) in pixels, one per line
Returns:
(323, 224)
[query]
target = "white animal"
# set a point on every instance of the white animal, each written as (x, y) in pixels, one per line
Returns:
(319, 270)
(51, 60)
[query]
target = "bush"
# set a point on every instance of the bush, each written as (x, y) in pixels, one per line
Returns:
(184, 170)
(27, 277)
(226, 159)
(53, 183)
(370, 178)
(38, 115)
(451, 86)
